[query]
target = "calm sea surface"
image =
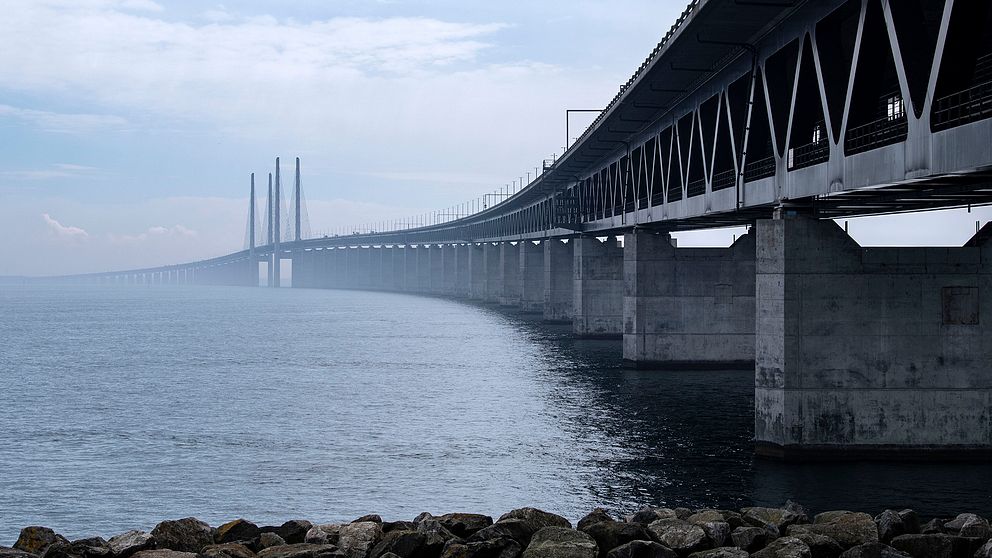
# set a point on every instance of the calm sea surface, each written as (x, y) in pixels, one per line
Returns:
(123, 407)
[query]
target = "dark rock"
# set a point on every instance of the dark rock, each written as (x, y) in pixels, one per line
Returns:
(268, 540)
(126, 544)
(406, 544)
(355, 540)
(735, 519)
(597, 515)
(36, 539)
(435, 536)
(969, 525)
(322, 534)
(985, 551)
(776, 520)
(535, 519)
(302, 551)
(294, 531)
(388, 526)
(750, 539)
(935, 545)
(500, 547)
(642, 549)
(873, 550)
(683, 513)
(910, 520)
(611, 534)
(820, 546)
(370, 517)
(92, 547)
(561, 542)
(705, 516)
(237, 530)
(681, 536)
(164, 553)
(933, 527)
(785, 547)
(464, 525)
(227, 550)
(798, 509)
(516, 529)
(647, 516)
(14, 553)
(890, 525)
(61, 550)
(184, 535)
(422, 516)
(716, 531)
(848, 529)
(828, 516)
(726, 552)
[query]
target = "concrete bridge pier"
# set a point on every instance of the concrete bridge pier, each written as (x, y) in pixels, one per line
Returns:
(448, 275)
(298, 267)
(375, 267)
(871, 351)
(531, 262)
(477, 271)
(598, 270)
(386, 267)
(509, 274)
(492, 276)
(559, 281)
(435, 258)
(422, 278)
(462, 286)
(688, 308)
(398, 268)
(410, 269)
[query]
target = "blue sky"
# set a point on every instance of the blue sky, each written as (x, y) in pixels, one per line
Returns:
(130, 127)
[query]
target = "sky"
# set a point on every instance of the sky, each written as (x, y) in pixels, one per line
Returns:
(130, 127)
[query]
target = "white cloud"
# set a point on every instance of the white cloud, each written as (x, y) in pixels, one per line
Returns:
(154, 233)
(56, 171)
(62, 122)
(63, 231)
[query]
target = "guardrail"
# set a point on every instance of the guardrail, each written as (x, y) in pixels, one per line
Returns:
(969, 105)
(873, 135)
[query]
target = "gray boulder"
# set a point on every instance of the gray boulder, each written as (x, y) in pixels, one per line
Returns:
(14, 553)
(681, 536)
(933, 527)
(873, 550)
(642, 549)
(126, 544)
(648, 515)
(561, 542)
(611, 534)
(294, 531)
(164, 553)
(751, 539)
(969, 525)
(268, 540)
(36, 539)
(463, 525)
(911, 520)
(985, 551)
(848, 529)
(237, 530)
(820, 546)
(436, 536)
(515, 529)
(500, 547)
(726, 552)
(785, 547)
(890, 525)
(183, 535)
(535, 519)
(776, 520)
(227, 550)
(934, 545)
(716, 531)
(597, 515)
(406, 544)
(302, 551)
(355, 540)
(326, 533)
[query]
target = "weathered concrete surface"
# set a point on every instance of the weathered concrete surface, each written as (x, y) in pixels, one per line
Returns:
(688, 307)
(435, 257)
(448, 273)
(873, 349)
(386, 268)
(423, 276)
(375, 267)
(410, 283)
(598, 271)
(398, 282)
(463, 280)
(559, 281)
(493, 278)
(509, 272)
(477, 271)
(339, 258)
(531, 277)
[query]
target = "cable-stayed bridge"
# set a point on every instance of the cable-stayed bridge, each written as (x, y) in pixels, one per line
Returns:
(781, 115)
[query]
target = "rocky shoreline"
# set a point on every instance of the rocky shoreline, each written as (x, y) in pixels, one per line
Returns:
(787, 532)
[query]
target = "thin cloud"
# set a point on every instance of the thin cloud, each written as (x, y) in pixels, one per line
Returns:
(63, 231)
(61, 122)
(56, 171)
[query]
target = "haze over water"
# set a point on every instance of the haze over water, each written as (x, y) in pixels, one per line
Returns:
(121, 407)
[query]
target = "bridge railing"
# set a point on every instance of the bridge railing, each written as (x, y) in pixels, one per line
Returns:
(761, 168)
(878, 133)
(809, 154)
(969, 105)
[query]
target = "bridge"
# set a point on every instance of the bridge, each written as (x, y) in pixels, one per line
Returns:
(778, 115)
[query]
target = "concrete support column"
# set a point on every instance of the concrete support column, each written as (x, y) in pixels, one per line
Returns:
(477, 271)
(339, 261)
(462, 286)
(448, 261)
(398, 281)
(410, 282)
(688, 308)
(423, 277)
(298, 266)
(559, 281)
(598, 269)
(871, 351)
(435, 258)
(493, 276)
(375, 267)
(509, 272)
(386, 268)
(531, 277)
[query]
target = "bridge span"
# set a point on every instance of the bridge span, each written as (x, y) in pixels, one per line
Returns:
(779, 116)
